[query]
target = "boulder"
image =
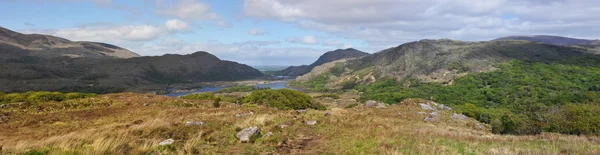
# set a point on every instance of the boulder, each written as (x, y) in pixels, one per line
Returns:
(269, 134)
(426, 107)
(166, 142)
(429, 119)
(380, 105)
(421, 113)
(244, 114)
(459, 116)
(443, 107)
(311, 122)
(283, 126)
(370, 103)
(327, 114)
(301, 111)
(246, 134)
(194, 123)
(434, 114)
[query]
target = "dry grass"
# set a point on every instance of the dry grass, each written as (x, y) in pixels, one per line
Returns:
(122, 124)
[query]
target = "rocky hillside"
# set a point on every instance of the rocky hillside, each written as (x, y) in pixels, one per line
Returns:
(115, 75)
(325, 58)
(14, 44)
(554, 40)
(441, 60)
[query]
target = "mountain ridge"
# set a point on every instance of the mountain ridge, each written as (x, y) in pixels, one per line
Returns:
(325, 58)
(13, 44)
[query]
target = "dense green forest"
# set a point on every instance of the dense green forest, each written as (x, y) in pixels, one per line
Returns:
(519, 98)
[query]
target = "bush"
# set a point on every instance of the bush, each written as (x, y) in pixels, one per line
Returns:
(351, 105)
(217, 103)
(282, 99)
(41, 96)
(238, 89)
(333, 96)
(201, 96)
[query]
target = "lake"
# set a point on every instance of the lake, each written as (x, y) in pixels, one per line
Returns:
(276, 85)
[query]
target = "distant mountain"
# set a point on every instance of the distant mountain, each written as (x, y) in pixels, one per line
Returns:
(554, 40)
(14, 44)
(325, 58)
(442, 60)
(139, 74)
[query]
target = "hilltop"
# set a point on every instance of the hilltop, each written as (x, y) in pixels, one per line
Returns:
(325, 58)
(554, 40)
(14, 44)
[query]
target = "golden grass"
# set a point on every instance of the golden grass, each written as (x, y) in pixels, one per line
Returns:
(121, 124)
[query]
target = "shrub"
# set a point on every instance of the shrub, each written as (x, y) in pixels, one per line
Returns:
(37, 97)
(217, 103)
(351, 105)
(238, 89)
(201, 96)
(282, 99)
(333, 96)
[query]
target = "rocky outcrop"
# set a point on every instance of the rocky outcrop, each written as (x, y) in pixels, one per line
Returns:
(246, 134)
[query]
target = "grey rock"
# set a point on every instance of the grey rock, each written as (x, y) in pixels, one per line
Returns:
(434, 114)
(311, 122)
(380, 105)
(327, 114)
(244, 114)
(166, 142)
(426, 107)
(301, 111)
(443, 107)
(459, 116)
(246, 133)
(429, 119)
(283, 126)
(480, 127)
(370, 103)
(421, 113)
(269, 134)
(194, 123)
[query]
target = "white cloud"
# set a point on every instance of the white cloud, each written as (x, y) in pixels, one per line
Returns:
(386, 23)
(185, 9)
(304, 40)
(108, 33)
(177, 25)
(257, 32)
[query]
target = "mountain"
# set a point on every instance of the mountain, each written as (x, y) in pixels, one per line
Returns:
(554, 40)
(140, 74)
(14, 44)
(325, 58)
(442, 60)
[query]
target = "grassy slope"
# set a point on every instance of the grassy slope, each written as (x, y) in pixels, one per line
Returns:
(121, 124)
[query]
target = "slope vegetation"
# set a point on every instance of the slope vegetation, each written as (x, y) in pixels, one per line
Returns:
(325, 58)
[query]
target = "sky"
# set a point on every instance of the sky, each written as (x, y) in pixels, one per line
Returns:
(293, 32)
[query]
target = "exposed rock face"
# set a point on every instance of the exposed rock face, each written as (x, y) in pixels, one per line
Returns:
(166, 142)
(51, 46)
(325, 58)
(429, 119)
(459, 116)
(426, 107)
(370, 103)
(194, 123)
(246, 134)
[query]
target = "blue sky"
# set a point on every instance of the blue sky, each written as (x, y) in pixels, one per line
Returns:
(283, 32)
